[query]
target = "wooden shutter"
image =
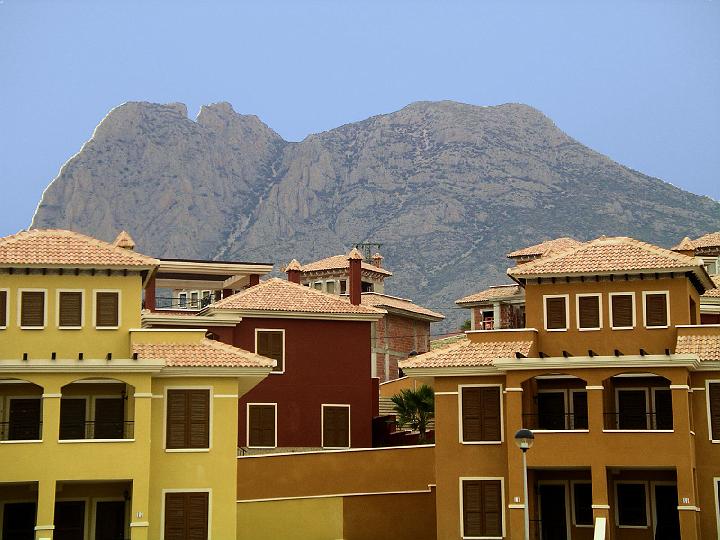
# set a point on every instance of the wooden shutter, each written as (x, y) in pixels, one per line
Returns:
(199, 419)
(622, 310)
(70, 309)
(3, 308)
(24, 419)
(106, 309)
(176, 419)
(714, 400)
(481, 413)
(261, 425)
(270, 344)
(186, 516)
(109, 418)
(556, 314)
(72, 418)
(589, 311)
(336, 432)
(32, 311)
(490, 413)
(482, 508)
(632, 409)
(656, 310)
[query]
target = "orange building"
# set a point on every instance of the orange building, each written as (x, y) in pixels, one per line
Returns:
(707, 250)
(620, 385)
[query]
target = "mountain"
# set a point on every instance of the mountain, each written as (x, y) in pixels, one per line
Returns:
(447, 188)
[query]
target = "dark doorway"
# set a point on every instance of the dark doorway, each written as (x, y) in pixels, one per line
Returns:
(24, 419)
(553, 512)
(110, 520)
(632, 409)
(667, 525)
(109, 418)
(18, 521)
(551, 410)
(69, 520)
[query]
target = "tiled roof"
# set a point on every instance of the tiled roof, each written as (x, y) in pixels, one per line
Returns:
(283, 296)
(55, 247)
(205, 353)
(606, 255)
(340, 262)
(545, 248)
(713, 293)
(468, 353)
(294, 265)
(685, 245)
(384, 300)
(124, 240)
(707, 240)
(707, 347)
(495, 292)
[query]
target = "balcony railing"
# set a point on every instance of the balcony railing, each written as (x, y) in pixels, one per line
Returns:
(555, 421)
(638, 421)
(96, 430)
(23, 430)
(174, 302)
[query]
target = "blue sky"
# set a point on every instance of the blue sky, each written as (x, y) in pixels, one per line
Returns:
(636, 80)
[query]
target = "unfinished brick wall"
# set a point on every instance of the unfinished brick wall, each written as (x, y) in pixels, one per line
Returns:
(394, 339)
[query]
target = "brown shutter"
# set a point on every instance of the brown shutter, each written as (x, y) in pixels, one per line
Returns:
(335, 427)
(32, 311)
(589, 311)
(186, 516)
(106, 309)
(270, 344)
(109, 418)
(556, 313)
(72, 418)
(24, 419)
(199, 419)
(622, 311)
(714, 399)
(632, 409)
(491, 413)
(197, 516)
(481, 413)
(70, 309)
(177, 409)
(656, 310)
(3, 308)
(482, 508)
(261, 425)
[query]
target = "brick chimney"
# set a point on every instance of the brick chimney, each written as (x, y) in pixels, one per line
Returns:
(377, 260)
(355, 258)
(293, 271)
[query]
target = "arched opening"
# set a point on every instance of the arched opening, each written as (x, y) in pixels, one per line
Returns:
(20, 410)
(97, 409)
(555, 402)
(638, 402)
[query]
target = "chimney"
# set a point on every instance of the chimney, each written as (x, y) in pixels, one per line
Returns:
(125, 241)
(355, 258)
(377, 260)
(293, 271)
(685, 247)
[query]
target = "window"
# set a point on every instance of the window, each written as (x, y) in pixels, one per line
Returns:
(107, 313)
(582, 504)
(343, 286)
(656, 309)
(182, 300)
(70, 309)
(631, 504)
(556, 312)
(481, 417)
(186, 515)
(188, 419)
(366, 286)
(330, 287)
(3, 308)
(73, 415)
(271, 343)
(336, 426)
(589, 312)
(579, 411)
(24, 418)
(713, 397)
(109, 420)
(662, 408)
(195, 300)
(318, 285)
(711, 265)
(261, 418)
(622, 310)
(551, 410)
(32, 309)
(632, 408)
(482, 508)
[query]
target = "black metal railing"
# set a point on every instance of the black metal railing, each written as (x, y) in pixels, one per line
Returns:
(638, 421)
(99, 429)
(555, 421)
(21, 430)
(175, 302)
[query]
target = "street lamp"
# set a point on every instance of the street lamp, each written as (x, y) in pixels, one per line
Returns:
(524, 439)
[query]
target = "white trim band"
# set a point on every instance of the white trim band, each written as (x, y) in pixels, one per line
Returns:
(679, 387)
(597, 387)
(600, 506)
(510, 389)
(51, 396)
(140, 524)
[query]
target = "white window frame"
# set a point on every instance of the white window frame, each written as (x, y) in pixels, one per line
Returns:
(82, 309)
(7, 308)
(194, 304)
(343, 283)
(322, 425)
(577, 311)
(283, 346)
(567, 312)
(186, 490)
(708, 382)
(19, 308)
(568, 502)
(182, 300)
(634, 310)
(648, 510)
(711, 260)
(247, 424)
(462, 506)
(210, 423)
(647, 407)
(667, 309)
(94, 308)
(502, 413)
(328, 282)
(6, 416)
(573, 483)
(716, 490)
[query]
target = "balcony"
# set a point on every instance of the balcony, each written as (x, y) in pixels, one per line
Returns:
(23, 419)
(555, 403)
(638, 402)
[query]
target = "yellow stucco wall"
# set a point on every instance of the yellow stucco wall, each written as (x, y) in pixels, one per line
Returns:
(298, 519)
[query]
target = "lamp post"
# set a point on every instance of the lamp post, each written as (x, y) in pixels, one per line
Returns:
(524, 439)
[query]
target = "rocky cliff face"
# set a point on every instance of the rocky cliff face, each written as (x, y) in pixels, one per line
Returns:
(448, 188)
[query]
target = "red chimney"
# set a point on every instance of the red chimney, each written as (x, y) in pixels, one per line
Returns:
(355, 258)
(293, 271)
(377, 260)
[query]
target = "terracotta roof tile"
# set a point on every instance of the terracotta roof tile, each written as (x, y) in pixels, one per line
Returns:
(340, 262)
(55, 247)
(545, 248)
(206, 353)
(496, 292)
(386, 301)
(713, 293)
(124, 240)
(468, 353)
(707, 240)
(283, 296)
(707, 347)
(685, 245)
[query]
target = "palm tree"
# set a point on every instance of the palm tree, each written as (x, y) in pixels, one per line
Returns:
(415, 408)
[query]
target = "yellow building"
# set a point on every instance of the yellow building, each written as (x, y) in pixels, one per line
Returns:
(107, 430)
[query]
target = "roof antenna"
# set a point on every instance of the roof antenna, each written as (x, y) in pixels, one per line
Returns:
(367, 248)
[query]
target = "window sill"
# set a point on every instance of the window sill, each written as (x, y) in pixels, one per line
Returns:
(638, 431)
(31, 441)
(107, 328)
(261, 447)
(481, 442)
(588, 330)
(186, 450)
(75, 441)
(556, 329)
(69, 327)
(656, 327)
(277, 373)
(622, 328)
(32, 328)
(561, 431)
